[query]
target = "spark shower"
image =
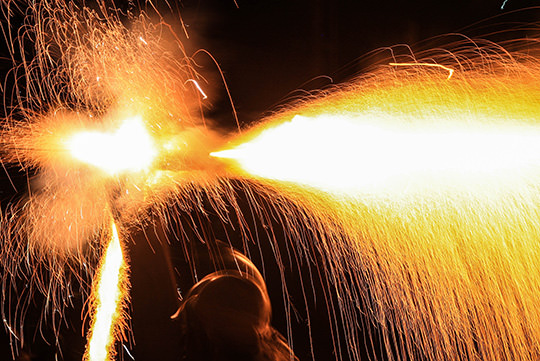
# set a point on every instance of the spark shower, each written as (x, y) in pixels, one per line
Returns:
(417, 181)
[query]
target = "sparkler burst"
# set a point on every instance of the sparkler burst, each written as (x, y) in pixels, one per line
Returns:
(416, 183)
(100, 116)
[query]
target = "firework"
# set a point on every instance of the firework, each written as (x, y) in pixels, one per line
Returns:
(416, 183)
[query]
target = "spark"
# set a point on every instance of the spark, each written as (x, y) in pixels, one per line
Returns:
(10, 329)
(198, 87)
(109, 289)
(129, 353)
(449, 70)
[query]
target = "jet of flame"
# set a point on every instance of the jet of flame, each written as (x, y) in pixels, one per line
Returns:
(109, 292)
(129, 149)
(348, 155)
(425, 189)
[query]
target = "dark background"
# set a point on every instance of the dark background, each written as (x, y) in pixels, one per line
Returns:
(269, 52)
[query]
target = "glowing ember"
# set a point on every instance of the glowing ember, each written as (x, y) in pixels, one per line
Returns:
(130, 148)
(108, 293)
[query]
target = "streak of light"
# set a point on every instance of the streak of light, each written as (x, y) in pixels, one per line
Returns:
(449, 70)
(108, 291)
(196, 83)
(129, 353)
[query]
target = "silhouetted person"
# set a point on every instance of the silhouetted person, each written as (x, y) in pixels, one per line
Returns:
(226, 316)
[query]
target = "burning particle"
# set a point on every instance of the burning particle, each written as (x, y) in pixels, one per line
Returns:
(196, 83)
(449, 70)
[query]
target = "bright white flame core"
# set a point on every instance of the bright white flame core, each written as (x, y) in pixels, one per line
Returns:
(108, 302)
(344, 154)
(130, 148)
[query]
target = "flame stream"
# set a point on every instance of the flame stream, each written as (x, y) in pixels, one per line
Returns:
(109, 296)
(352, 155)
(437, 220)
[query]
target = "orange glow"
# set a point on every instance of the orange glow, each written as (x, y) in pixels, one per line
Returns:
(413, 188)
(130, 148)
(108, 293)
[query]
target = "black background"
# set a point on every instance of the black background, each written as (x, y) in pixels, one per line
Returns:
(268, 51)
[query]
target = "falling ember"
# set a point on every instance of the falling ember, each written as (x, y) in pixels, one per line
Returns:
(130, 148)
(110, 293)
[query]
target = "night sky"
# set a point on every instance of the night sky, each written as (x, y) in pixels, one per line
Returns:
(270, 51)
